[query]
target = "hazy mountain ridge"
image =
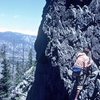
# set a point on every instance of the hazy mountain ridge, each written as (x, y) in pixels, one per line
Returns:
(16, 42)
(15, 37)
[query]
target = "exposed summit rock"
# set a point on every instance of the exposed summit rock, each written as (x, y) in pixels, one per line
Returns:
(66, 28)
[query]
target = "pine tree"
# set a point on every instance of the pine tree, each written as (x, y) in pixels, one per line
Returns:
(30, 58)
(30, 61)
(18, 73)
(4, 82)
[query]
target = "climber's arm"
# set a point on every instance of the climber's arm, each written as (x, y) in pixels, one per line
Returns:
(90, 62)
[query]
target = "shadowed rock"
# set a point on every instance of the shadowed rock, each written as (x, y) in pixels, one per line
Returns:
(65, 30)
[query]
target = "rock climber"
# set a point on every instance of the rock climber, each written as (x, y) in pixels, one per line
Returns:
(82, 64)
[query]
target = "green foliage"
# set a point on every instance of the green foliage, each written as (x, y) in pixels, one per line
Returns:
(18, 73)
(4, 82)
(30, 58)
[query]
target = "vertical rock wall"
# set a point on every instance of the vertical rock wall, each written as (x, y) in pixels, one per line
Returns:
(66, 28)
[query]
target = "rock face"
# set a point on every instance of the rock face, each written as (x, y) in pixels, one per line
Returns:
(65, 30)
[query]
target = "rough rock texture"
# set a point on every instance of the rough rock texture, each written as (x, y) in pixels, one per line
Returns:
(65, 30)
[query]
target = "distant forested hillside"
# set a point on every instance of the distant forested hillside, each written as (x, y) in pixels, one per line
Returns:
(16, 41)
(17, 56)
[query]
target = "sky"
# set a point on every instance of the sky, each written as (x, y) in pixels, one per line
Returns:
(22, 16)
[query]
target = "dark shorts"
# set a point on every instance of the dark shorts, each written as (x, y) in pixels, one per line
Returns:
(76, 70)
(77, 76)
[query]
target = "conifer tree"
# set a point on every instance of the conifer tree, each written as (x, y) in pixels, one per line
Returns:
(30, 58)
(18, 73)
(4, 82)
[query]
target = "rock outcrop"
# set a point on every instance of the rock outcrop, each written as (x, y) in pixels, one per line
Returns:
(21, 90)
(66, 28)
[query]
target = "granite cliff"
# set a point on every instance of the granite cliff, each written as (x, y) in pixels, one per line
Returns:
(66, 28)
